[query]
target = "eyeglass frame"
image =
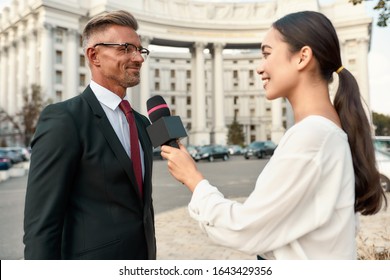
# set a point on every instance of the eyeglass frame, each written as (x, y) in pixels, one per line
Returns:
(144, 52)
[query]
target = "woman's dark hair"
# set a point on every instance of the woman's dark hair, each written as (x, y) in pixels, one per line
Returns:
(315, 30)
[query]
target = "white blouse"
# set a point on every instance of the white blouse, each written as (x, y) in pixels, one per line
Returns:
(302, 206)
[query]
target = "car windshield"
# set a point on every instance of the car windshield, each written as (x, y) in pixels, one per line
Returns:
(205, 149)
(257, 145)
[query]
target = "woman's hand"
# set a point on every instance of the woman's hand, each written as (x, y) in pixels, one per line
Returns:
(181, 166)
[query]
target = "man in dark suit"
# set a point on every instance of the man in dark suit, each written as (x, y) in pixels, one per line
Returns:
(83, 200)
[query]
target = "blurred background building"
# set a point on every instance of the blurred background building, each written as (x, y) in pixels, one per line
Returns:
(203, 58)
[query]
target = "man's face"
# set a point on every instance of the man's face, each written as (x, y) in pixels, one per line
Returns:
(113, 66)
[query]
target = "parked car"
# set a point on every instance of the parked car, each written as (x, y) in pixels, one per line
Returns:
(14, 156)
(193, 150)
(383, 165)
(382, 143)
(5, 161)
(235, 150)
(260, 149)
(23, 152)
(211, 152)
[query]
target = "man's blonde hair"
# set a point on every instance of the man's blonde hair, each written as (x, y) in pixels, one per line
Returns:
(101, 22)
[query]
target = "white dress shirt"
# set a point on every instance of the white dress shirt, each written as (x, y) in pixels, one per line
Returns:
(110, 104)
(302, 206)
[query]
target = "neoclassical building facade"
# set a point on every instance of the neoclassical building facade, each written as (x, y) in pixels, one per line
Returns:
(208, 75)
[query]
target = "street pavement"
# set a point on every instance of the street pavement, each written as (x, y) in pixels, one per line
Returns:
(178, 236)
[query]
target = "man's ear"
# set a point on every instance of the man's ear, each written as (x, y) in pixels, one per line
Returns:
(92, 56)
(304, 57)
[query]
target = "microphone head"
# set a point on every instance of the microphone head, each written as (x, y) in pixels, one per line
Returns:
(157, 108)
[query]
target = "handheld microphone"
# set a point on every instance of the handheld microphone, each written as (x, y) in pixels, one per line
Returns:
(165, 129)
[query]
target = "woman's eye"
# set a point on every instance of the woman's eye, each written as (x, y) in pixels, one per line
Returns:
(265, 54)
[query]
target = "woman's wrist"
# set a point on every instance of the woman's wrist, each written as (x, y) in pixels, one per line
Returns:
(194, 180)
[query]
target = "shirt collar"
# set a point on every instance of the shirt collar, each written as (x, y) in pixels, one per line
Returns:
(105, 96)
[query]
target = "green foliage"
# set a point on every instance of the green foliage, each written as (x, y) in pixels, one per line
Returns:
(382, 124)
(235, 134)
(383, 7)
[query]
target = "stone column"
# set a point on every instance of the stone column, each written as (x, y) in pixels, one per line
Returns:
(71, 69)
(199, 134)
(12, 62)
(3, 74)
(145, 81)
(277, 124)
(219, 128)
(46, 63)
(362, 69)
(21, 72)
(32, 55)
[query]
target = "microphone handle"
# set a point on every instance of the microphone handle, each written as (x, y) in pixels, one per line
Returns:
(172, 143)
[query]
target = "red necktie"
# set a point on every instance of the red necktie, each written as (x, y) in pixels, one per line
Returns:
(134, 146)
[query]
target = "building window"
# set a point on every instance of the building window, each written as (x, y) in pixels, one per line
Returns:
(173, 100)
(59, 95)
(172, 73)
(58, 77)
(173, 112)
(188, 100)
(157, 73)
(253, 128)
(173, 86)
(252, 112)
(188, 87)
(59, 35)
(189, 114)
(82, 80)
(82, 60)
(251, 74)
(235, 74)
(80, 41)
(188, 74)
(235, 100)
(59, 57)
(236, 112)
(157, 86)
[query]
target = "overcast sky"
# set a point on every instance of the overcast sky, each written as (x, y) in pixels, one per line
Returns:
(378, 60)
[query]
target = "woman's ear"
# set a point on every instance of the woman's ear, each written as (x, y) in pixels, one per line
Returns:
(304, 58)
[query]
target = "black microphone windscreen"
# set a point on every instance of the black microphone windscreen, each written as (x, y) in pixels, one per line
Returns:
(157, 108)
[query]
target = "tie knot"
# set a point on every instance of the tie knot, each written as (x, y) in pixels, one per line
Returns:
(125, 106)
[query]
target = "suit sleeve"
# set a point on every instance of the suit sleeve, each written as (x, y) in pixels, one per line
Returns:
(54, 162)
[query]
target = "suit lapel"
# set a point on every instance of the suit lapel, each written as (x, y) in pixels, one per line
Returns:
(110, 135)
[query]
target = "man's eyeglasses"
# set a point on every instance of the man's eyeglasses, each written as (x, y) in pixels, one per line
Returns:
(129, 48)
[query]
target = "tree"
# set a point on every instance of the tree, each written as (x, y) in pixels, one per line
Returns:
(383, 6)
(32, 106)
(235, 134)
(11, 129)
(382, 124)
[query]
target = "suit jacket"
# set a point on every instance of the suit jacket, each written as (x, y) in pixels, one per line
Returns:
(82, 199)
